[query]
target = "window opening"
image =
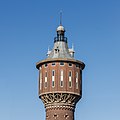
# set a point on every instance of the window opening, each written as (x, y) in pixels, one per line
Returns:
(70, 64)
(61, 63)
(76, 80)
(46, 65)
(45, 79)
(77, 65)
(40, 79)
(61, 78)
(53, 64)
(70, 78)
(53, 78)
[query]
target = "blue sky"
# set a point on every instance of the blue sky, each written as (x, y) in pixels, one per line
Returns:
(28, 27)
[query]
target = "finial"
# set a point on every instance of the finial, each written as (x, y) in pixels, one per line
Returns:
(61, 17)
(48, 53)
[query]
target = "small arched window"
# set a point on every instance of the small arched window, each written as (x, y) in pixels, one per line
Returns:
(61, 78)
(70, 79)
(76, 80)
(40, 77)
(45, 79)
(53, 78)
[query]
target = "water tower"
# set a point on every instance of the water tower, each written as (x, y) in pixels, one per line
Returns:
(60, 79)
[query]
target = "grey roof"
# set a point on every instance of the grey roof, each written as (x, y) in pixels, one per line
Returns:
(60, 50)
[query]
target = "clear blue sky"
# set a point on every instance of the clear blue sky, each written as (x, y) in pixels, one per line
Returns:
(27, 28)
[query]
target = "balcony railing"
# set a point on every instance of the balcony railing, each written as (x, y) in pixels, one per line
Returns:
(64, 39)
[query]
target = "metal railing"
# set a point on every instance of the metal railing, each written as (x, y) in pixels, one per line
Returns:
(64, 39)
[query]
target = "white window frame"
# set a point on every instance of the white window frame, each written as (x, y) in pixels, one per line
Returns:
(40, 78)
(45, 84)
(53, 78)
(61, 78)
(76, 80)
(69, 64)
(70, 79)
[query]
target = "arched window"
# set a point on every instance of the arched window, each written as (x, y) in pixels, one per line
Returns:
(40, 79)
(70, 79)
(70, 64)
(45, 79)
(53, 78)
(45, 65)
(76, 80)
(61, 78)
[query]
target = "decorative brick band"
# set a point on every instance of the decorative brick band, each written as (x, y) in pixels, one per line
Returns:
(61, 107)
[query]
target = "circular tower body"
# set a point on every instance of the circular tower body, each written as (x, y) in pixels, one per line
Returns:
(60, 80)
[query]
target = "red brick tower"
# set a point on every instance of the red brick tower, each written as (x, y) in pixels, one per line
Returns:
(60, 80)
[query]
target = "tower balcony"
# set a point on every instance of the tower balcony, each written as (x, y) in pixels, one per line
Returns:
(61, 38)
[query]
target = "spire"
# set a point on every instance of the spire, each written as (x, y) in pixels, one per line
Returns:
(60, 27)
(60, 18)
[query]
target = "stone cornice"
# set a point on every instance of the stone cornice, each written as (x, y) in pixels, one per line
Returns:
(59, 60)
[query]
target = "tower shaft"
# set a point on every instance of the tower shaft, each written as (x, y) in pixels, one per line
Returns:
(62, 113)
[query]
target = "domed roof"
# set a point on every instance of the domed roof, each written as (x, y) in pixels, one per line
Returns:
(60, 28)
